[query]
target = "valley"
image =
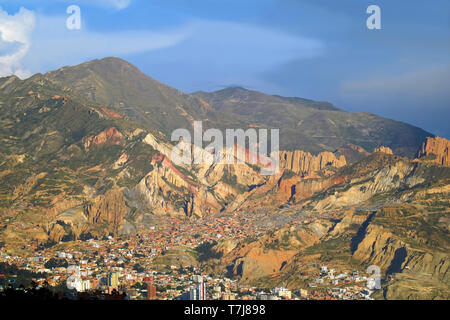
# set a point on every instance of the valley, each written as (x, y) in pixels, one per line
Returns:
(86, 173)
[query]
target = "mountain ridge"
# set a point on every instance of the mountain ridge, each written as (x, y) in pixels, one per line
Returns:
(322, 126)
(304, 124)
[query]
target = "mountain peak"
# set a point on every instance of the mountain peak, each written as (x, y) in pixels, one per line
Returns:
(124, 89)
(113, 62)
(235, 89)
(106, 67)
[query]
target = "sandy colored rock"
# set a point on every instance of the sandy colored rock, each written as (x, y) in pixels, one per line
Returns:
(383, 149)
(57, 233)
(439, 147)
(109, 208)
(299, 161)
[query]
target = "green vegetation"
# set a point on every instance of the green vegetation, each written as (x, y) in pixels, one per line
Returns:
(138, 268)
(205, 251)
(231, 179)
(56, 263)
(18, 277)
(287, 174)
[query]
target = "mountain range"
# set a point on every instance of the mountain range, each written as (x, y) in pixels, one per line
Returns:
(304, 124)
(85, 150)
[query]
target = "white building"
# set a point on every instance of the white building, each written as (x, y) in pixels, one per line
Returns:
(282, 292)
(77, 283)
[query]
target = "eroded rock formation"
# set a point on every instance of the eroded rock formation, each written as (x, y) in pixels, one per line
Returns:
(436, 150)
(109, 136)
(305, 163)
(109, 208)
(383, 149)
(167, 190)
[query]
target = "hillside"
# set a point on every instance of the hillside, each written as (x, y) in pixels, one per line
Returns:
(304, 124)
(85, 153)
(384, 210)
(123, 88)
(316, 126)
(66, 160)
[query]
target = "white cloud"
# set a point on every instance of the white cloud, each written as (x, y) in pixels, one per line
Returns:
(248, 47)
(15, 29)
(431, 81)
(55, 46)
(256, 43)
(116, 4)
(220, 53)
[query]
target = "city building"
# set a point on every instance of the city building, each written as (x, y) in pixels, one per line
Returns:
(151, 288)
(113, 281)
(198, 292)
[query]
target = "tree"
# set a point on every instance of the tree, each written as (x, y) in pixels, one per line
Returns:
(138, 268)
(56, 263)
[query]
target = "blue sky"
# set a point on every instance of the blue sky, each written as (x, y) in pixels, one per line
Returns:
(308, 48)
